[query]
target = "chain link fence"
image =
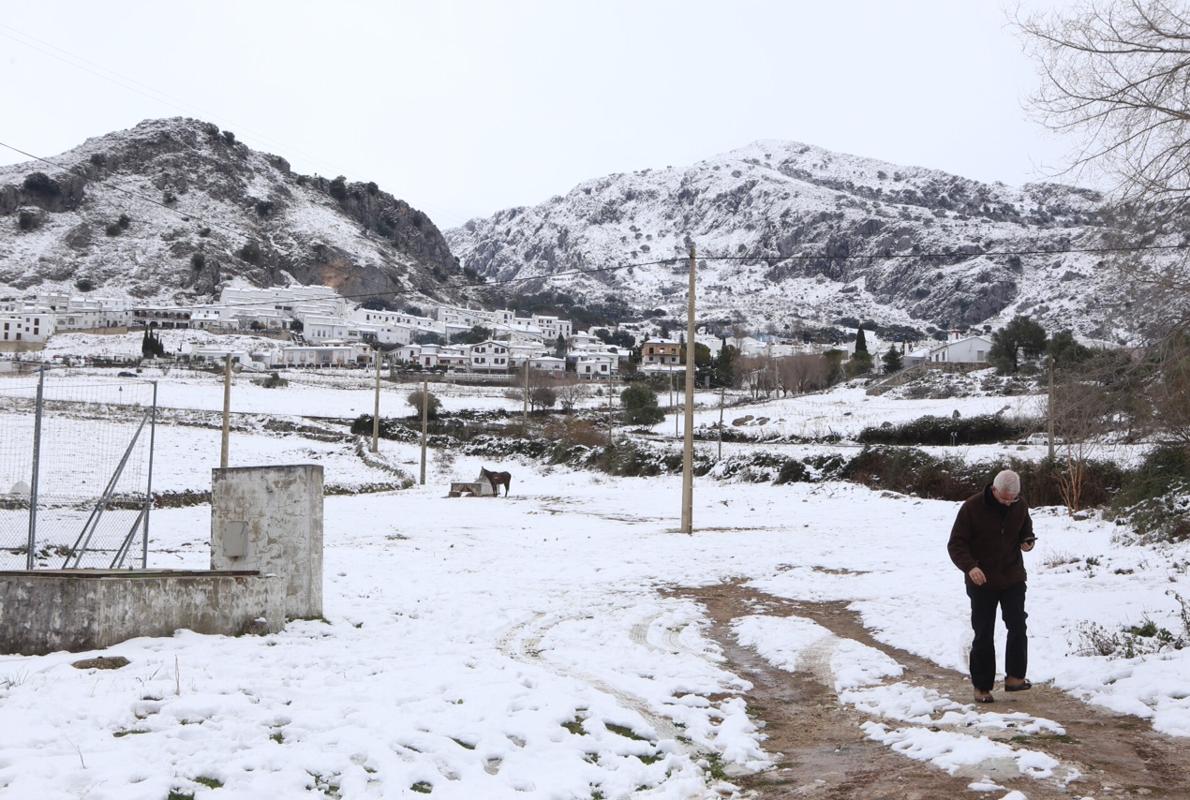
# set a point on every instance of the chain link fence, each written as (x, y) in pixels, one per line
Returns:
(76, 459)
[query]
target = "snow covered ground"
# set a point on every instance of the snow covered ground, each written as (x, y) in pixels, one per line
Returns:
(537, 646)
(847, 411)
(522, 647)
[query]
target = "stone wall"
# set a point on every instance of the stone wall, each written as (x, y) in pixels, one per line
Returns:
(49, 610)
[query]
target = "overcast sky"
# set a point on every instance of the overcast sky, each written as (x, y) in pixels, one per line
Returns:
(464, 108)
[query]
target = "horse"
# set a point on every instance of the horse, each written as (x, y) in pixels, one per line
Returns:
(496, 479)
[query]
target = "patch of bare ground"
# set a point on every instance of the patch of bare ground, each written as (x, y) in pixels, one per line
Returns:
(821, 752)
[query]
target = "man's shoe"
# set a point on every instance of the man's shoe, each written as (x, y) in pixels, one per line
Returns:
(1017, 684)
(984, 697)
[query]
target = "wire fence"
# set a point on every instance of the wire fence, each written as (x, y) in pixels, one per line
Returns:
(75, 471)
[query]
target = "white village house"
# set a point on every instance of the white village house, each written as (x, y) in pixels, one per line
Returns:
(959, 350)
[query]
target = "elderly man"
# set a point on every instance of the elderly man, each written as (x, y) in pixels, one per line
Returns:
(992, 529)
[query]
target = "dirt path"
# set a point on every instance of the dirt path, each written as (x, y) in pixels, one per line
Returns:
(821, 751)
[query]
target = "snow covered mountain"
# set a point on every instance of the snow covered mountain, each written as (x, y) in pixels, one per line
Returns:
(175, 208)
(776, 198)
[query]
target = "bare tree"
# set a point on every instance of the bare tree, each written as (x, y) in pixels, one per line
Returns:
(570, 393)
(1118, 73)
(1080, 422)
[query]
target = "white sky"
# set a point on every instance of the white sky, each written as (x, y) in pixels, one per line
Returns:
(464, 108)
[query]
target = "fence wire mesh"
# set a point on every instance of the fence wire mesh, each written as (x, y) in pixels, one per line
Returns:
(82, 488)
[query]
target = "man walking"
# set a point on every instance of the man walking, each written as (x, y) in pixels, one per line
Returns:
(990, 532)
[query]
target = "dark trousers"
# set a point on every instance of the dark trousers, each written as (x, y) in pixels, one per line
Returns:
(983, 622)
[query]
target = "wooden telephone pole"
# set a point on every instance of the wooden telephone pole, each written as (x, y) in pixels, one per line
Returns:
(688, 442)
(226, 411)
(425, 416)
(376, 408)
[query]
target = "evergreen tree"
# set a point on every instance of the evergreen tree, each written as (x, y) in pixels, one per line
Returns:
(560, 346)
(724, 374)
(1021, 334)
(892, 361)
(146, 346)
(640, 405)
(1065, 350)
(861, 344)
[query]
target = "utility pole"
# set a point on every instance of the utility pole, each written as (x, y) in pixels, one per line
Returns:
(673, 399)
(425, 425)
(376, 408)
(611, 422)
(1050, 412)
(38, 407)
(722, 392)
(226, 410)
(688, 444)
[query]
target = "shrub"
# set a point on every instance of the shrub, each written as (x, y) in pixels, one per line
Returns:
(338, 188)
(912, 471)
(265, 208)
(640, 405)
(198, 261)
(124, 221)
(84, 285)
(40, 183)
(273, 381)
(1155, 497)
(433, 404)
(575, 432)
(113, 229)
(98, 159)
(169, 198)
(930, 430)
(542, 397)
(29, 220)
(229, 137)
(250, 252)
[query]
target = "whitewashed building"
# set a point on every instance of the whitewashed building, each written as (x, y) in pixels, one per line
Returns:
(551, 365)
(589, 366)
(331, 355)
(964, 350)
(27, 325)
(489, 356)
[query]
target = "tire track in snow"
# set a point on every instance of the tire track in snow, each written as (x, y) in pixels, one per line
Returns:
(522, 642)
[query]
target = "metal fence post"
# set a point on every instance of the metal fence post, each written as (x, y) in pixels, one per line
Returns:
(144, 557)
(36, 459)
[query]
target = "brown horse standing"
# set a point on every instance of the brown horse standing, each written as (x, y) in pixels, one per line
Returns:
(497, 479)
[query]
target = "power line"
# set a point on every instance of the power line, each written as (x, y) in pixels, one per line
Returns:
(130, 84)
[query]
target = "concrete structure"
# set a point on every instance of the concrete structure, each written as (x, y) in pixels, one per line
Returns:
(49, 610)
(270, 519)
(266, 560)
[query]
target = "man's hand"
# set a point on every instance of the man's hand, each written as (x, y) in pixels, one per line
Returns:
(1027, 545)
(977, 577)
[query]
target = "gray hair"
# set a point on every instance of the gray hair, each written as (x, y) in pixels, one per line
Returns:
(1007, 482)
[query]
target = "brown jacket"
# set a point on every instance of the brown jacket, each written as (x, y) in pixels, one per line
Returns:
(988, 534)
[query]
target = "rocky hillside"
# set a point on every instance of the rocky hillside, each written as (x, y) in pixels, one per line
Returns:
(777, 199)
(174, 208)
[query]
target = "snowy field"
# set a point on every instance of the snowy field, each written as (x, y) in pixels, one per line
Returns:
(526, 648)
(549, 644)
(323, 393)
(847, 411)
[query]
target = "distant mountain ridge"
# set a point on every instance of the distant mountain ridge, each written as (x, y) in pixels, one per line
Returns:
(791, 199)
(240, 213)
